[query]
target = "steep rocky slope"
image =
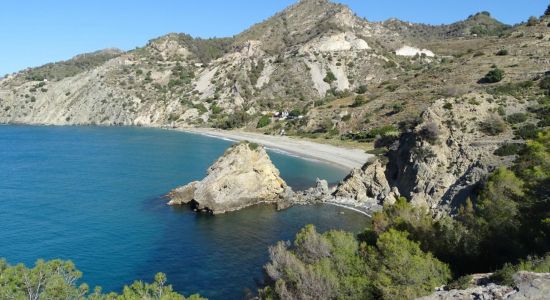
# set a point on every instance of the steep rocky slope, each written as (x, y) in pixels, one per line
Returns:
(291, 61)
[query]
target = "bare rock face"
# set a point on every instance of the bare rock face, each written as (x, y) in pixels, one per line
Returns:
(528, 286)
(367, 185)
(440, 162)
(242, 177)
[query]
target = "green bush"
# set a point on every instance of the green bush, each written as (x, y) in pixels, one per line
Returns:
(236, 120)
(362, 89)
(494, 125)
(201, 108)
(330, 77)
(502, 52)
(335, 265)
(517, 118)
(358, 101)
(448, 106)
(533, 21)
(263, 122)
(545, 84)
(514, 89)
(508, 149)
(495, 75)
(528, 131)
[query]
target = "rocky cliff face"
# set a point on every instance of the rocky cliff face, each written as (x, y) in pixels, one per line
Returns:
(242, 177)
(440, 162)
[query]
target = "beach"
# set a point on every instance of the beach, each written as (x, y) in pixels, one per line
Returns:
(338, 156)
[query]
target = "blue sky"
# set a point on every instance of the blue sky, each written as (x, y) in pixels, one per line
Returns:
(35, 32)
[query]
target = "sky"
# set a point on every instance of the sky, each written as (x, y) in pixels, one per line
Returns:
(35, 32)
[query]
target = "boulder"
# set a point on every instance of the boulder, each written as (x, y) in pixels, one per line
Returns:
(242, 177)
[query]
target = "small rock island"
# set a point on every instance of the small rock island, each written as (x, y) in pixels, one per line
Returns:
(242, 177)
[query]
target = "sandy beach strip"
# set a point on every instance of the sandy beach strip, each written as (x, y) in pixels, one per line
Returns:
(341, 157)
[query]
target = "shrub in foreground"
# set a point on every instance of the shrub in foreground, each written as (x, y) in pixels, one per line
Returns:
(337, 265)
(57, 279)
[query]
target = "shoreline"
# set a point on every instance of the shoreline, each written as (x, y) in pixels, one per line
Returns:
(340, 157)
(344, 158)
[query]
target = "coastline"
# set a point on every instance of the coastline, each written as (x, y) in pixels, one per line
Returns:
(344, 158)
(340, 157)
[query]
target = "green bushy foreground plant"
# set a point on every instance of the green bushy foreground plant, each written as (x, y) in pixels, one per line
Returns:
(337, 265)
(57, 279)
(495, 75)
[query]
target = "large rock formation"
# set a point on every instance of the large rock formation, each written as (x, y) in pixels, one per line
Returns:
(242, 177)
(528, 286)
(366, 187)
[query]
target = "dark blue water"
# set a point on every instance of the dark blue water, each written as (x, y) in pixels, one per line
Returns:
(93, 195)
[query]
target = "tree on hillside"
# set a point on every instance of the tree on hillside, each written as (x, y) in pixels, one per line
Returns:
(547, 12)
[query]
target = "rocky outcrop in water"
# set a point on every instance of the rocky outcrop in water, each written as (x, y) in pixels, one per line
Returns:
(242, 177)
(528, 286)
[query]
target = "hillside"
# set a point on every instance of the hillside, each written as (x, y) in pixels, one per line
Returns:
(339, 76)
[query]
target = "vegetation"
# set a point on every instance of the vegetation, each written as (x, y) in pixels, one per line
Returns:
(358, 101)
(495, 75)
(372, 134)
(330, 77)
(514, 89)
(507, 220)
(337, 265)
(517, 118)
(494, 125)
(263, 122)
(362, 89)
(508, 149)
(236, 120)
(533, 21)
(502, 52)
(545, 84)
(59, 70)
(57, 279)
(430, 132)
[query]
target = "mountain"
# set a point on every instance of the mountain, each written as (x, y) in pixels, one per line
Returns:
(313, 58)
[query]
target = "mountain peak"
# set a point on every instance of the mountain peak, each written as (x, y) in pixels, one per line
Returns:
(300, 23)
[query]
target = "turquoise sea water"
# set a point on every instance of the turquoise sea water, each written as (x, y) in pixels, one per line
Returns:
(94, 195)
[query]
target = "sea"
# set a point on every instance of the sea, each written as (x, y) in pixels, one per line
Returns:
(95, 195)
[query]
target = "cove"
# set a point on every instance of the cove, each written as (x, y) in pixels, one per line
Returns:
(94, 195)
